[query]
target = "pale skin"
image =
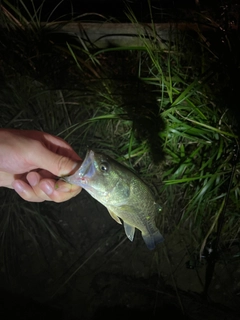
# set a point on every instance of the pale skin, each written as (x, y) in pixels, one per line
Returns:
(32, 162)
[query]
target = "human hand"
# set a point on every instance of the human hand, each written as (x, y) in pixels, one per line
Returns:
(31, 162)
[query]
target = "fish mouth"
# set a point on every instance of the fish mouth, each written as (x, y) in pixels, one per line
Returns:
(87, 162)
(85, 171)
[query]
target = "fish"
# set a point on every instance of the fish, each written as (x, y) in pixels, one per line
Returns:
(127, 198)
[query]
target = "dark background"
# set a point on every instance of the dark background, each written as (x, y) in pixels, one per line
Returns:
(115, 8)
(120, 286)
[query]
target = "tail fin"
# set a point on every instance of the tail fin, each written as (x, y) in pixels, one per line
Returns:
(153, 239)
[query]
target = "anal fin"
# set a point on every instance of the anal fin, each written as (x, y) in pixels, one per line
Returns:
(129, 230)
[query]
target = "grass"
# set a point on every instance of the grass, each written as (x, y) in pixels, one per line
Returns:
(158, 109)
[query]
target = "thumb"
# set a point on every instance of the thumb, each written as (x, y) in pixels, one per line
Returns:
(57, 164)
(62, 166)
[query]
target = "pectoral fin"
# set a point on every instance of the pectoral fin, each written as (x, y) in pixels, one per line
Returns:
(115, 217)
(129, 230)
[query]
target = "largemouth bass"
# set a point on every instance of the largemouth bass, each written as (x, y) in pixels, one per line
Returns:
(125, 195)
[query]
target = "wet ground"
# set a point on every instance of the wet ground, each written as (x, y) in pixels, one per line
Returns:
(96, 271)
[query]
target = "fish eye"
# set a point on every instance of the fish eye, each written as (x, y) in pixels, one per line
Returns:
(104, 166)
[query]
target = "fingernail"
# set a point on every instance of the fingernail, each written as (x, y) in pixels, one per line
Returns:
(75, 165)
(18, 187)
(33, 179)
(47, 189)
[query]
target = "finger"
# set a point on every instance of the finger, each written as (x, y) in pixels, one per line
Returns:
(33, 178)
(50, 189)
(58, 191)
(36, 194)
(44, 188)
(28, 188)
(25, 191)
(58, 196)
